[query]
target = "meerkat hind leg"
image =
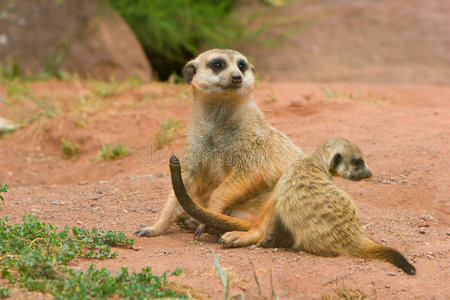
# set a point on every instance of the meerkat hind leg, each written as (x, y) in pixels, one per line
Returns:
(277, 236)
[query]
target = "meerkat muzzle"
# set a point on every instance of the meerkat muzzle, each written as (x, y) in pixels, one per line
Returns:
(236, 78)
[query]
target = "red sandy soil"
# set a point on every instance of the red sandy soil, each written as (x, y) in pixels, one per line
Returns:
(402, 129)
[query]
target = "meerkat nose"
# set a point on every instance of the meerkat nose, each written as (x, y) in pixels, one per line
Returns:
(236, 78)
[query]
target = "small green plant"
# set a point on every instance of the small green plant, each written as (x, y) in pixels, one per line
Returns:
(110, 151)
(4, 292)
(344, 293)
(3, 189)
(10, 70)
(20, 89)
(167, 133)
(34, 255)
(69, 148)
(111, 88)
(225, 278)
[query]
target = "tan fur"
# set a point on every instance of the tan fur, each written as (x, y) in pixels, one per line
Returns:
(306, 211)
(320, 216)
(233, 157)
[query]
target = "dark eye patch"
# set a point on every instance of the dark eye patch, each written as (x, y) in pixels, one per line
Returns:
(242, 65)
(217, 64)
(357, 162)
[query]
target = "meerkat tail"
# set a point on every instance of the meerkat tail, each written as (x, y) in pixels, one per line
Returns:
(215, 220)
(371, 249)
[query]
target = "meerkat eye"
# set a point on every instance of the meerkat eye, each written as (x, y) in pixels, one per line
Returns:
(357, 162)
(242, 66)
(217, 65)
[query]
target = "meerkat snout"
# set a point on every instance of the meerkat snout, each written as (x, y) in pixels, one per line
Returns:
(236, 78)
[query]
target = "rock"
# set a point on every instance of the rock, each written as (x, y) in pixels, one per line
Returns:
(55, 202)
(83, 36)
(325, 59)
(7, 126)
(102, 182)
(392, 274)
(79, 223)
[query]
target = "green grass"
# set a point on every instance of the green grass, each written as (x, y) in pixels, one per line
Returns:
(112, 88)
(329, 93)
(20, 89)
(69, 148)
(344, 293)
(167, 133)
(225, 279)
(34, 255)
(171, 32)
(111, 151)
(3, 189)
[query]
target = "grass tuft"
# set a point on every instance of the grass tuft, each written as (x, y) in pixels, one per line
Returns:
(225, 278)
(111, 152)
(3, 189)
(344, 293)
(69, 148)
(167, 133)
(111, 88)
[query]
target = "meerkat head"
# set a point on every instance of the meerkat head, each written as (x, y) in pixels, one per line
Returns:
(220, 74)
(346, 160)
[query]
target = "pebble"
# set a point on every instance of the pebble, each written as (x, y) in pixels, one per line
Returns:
(103, 182)
(35, 210)
(79, 223)
(124, 210)
(55, 202)
(83, 183)
(99, 192)
(392, 274)
(154, 210)
(387, 286)
(422, 231)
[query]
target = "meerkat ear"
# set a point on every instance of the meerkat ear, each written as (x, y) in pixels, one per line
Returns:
(189, 71)
(252, 67)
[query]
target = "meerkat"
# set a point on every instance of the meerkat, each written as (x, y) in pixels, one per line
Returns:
(233, 158)
(307, 211)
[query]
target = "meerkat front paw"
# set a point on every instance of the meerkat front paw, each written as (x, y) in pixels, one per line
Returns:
(237, 239)
(148, 232)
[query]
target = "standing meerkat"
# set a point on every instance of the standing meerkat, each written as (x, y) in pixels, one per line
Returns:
(233, 157)
(306, 211)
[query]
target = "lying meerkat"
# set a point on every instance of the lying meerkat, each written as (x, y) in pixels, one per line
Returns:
(307, 211)
(233, 157)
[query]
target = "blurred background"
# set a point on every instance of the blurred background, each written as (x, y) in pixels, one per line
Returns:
(383, 41)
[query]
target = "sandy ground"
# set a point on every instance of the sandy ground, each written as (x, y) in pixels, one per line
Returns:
(403, 131)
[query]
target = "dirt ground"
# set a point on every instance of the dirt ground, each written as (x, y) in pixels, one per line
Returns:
(403, 131)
